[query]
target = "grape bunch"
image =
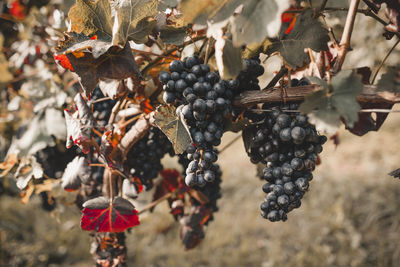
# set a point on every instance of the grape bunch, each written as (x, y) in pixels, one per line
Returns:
(211, 190)
(144, 158)
(101, 110)
(54, 160)
(204, 99)
(288, 145)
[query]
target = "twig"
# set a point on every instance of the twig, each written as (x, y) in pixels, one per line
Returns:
(150, 53)
(277, 77)
(295, 94)
(346, 36)
(117, 107)
(156, 202)
(384, 59)
(366, 12)
(323, 4)
(209, 44)
(170, 51)
(138, 130)
(101, 99)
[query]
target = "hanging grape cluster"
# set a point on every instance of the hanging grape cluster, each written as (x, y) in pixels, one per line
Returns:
(288, 146)
(144, 158)
(205, 100)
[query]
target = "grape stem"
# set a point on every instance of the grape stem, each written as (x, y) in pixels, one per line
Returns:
(283, 71)
(346, 36)
(383, 60)
(169, 52)
(138, 130)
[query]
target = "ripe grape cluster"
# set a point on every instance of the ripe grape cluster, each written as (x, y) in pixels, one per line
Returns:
(101, 110)
(288, 145)
(204, 99)
(54, 159)
(211, 190)
(144, 158)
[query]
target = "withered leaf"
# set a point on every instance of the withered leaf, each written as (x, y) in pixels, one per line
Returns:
(131, 21)
(114, 63)
(335, 100)
(76, 172)
(91, 17)
(170, 121)
(79, 125)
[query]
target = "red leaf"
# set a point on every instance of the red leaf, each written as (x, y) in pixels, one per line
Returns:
(168, 184)
(289, 18)
(17, 10)
(102, 215)
(170, 177)
(63, 61)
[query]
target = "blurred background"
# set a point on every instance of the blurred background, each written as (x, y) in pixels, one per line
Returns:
(349, 217)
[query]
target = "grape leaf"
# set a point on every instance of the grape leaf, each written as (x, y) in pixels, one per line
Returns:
(111, 88)
(169, 183)
(258, 19)
(38, 133)
(390, 81)
(97, 59)
(229, 58)
(79, 125)
(76, 172)
(173, 35)
(91, 17)
(171, 123)
(366, 122)
(214, 10)
(102, 215)
(308, 32)
(335, 100)
(131, 20)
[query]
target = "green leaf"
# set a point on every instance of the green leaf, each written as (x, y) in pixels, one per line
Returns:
(171, 122)
(308, 32)
(164, 4)
(229, 58)
(347, 85)
(338, 99)
(325, 120)
(199, 11)
(258, 19)
(132, 20)
(173, 35)
(390, 81)
(91, 17)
